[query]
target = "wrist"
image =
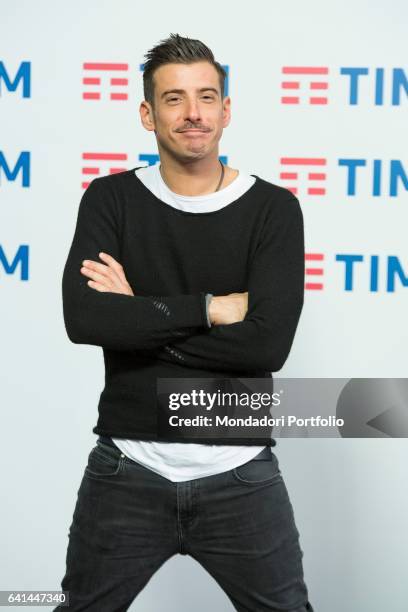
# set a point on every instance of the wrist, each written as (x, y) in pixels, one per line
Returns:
(214, 310)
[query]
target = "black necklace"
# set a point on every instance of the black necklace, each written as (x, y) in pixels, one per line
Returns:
(222, 175)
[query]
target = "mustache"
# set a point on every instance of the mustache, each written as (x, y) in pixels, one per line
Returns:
(203, 128)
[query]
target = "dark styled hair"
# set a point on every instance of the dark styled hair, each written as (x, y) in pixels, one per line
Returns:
(177, 50)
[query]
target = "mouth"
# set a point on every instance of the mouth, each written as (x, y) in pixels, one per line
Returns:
(192, 132)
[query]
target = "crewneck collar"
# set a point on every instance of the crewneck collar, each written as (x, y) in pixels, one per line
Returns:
(210, 196)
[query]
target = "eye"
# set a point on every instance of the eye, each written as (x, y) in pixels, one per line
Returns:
(172, 99)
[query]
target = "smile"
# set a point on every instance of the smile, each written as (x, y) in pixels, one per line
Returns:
(191, 132)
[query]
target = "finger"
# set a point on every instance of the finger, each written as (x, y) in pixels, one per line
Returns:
(97, 267)
(95, 276)
(98, 286)
(111, 276)
(115, 265)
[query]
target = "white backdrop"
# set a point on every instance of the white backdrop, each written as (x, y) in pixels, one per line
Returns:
(349, 496)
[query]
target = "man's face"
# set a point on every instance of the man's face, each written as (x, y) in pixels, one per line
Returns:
(189, 112)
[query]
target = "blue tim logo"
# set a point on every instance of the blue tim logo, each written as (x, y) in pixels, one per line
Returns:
(379, 93)
(307, 176)
(19, 82)
(20, 168)
(375, 172)
(372, 273)
(15, 264)
(310, 85)
(368, 267)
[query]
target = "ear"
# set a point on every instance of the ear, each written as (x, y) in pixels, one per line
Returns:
(147, 115)
(226, 111)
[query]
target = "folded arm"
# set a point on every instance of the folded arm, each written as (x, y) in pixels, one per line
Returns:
(261, 341)
(113, 320)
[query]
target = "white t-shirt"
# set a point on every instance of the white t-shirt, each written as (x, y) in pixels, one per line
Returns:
(180, 461)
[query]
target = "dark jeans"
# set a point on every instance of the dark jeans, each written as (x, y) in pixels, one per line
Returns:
(239, 525)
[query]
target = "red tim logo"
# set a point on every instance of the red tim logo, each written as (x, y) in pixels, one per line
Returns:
(305, 84)
(314, 271)
(313, 169)
(101, 164)
(110, 77)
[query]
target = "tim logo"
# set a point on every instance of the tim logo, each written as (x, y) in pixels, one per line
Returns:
(371, 86)
(311, 171)
(357, 272)
(305, 84)
(314, 271)
(372, 272)
(101, 164)
(109, 78)
(382, 177)
(16, 263)
(20, 169)
(20, 80)
(360, 176)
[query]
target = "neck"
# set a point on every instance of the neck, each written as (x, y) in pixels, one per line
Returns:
(196, 177)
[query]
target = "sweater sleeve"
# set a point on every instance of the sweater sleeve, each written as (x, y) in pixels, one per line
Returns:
(113, 320)
(261, 341)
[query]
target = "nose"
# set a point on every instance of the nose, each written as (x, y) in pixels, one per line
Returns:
(192, 110)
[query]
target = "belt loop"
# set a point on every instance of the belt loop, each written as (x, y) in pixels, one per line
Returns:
(107, 440)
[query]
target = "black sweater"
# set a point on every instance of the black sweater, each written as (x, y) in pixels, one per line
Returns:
(171, 259)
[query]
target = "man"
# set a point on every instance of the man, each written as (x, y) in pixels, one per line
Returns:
(185, 269)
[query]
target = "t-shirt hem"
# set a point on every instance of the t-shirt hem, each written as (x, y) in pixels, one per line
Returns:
(149, 437)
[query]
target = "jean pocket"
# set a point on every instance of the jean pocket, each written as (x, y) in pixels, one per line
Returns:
(104, 461)
(257, 472)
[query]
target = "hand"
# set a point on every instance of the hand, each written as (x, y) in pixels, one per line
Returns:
(226, 309)
(109, 277)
